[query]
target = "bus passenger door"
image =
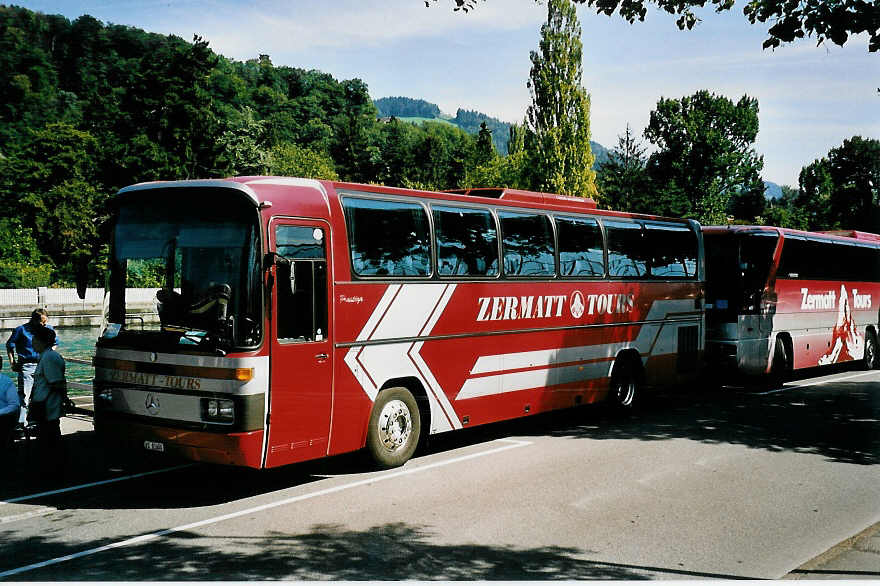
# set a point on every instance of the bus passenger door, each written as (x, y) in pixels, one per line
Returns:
(301, 363)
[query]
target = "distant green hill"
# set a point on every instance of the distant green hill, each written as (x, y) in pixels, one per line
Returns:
(418, 110)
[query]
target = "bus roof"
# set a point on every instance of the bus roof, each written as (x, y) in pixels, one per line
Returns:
(260, 189)
(852, 236)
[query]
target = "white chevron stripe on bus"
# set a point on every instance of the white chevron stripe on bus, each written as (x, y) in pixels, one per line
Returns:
(591, 362)
(405, 311)
(532, 379)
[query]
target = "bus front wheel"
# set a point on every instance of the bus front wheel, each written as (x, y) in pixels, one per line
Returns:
(872, 359)
(395, 427)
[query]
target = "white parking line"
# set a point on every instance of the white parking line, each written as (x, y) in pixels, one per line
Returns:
(31, 497)
(820, 382)
(511, 444)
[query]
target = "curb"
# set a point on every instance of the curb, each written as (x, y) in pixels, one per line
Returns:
(820, 567)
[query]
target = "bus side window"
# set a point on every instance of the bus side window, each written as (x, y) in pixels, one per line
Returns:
(627, 254)
(388, 238)
(467, 242)
(301, 277)
(580, 247)
(527, 244)
(672, 249)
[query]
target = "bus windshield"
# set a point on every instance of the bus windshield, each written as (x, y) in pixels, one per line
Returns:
(197, 261)
(737, 267)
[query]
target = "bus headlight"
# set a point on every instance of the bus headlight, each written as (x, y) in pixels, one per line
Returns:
(222, 410)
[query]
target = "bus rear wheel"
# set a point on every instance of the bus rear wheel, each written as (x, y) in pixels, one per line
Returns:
(780, 367)
(872, 358)
(626, 389)
(395, 427)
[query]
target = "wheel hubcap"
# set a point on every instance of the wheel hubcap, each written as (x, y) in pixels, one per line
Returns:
(395, 425)
(626, 391)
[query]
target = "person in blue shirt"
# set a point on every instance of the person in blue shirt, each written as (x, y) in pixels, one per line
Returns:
(20, 343)
(9, 409)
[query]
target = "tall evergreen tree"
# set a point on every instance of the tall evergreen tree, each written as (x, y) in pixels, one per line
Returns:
(622, 180)
(485, 148)
(559, 116)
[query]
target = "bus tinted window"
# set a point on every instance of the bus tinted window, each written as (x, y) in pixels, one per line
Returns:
(299, 242)
(527, 244)
(467, 243)
(580, 248)
(827, 260)
(627, 256)
(388, 238)
(794, 258)
(673, 250)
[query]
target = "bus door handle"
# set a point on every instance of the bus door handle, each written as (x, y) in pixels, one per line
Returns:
(322, 357)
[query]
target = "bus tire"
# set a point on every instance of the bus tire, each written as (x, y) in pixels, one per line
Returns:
(780, 367)
(625, 394)
(395, 427)
(872, 360)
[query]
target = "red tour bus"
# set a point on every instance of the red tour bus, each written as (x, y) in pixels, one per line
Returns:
(299, 319)
(780, 299)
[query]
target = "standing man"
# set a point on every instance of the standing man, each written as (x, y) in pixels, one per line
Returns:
(21, 343)
(47, 405)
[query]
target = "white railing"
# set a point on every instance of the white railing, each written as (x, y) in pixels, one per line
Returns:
(60, 300)
(15, 297)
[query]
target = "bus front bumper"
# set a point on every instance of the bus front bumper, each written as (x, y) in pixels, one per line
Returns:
(236, 449)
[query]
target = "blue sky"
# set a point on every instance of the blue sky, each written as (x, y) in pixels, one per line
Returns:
(811, 98)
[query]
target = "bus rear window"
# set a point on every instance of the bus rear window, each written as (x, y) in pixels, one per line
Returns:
(388, 238)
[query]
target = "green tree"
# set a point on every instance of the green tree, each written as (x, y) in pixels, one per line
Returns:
(622, 180)
(485, 149)
(295, 161)
(352, 128)
(785, 212)
(22, 264)
(748, 204)
(836, 20)
(854, 168)
(559, 113)
(396, 152)
(816, 186)
(501, 171)
(705, 154)
(516, 139)
(243, 146)
(51, 186)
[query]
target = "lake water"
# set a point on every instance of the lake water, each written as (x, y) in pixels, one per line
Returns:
(76, 342)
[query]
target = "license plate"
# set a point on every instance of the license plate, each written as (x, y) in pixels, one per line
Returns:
(155, 446)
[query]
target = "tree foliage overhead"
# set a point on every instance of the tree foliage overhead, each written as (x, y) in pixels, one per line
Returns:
(558, 118)
(834, 20)
(87, 108)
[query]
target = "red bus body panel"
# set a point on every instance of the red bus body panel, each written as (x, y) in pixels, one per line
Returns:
(823, 321)
(479, 351)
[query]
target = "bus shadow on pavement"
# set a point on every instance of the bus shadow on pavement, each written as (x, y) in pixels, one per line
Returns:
(840, 424)
(838, 421)
(393, 551)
